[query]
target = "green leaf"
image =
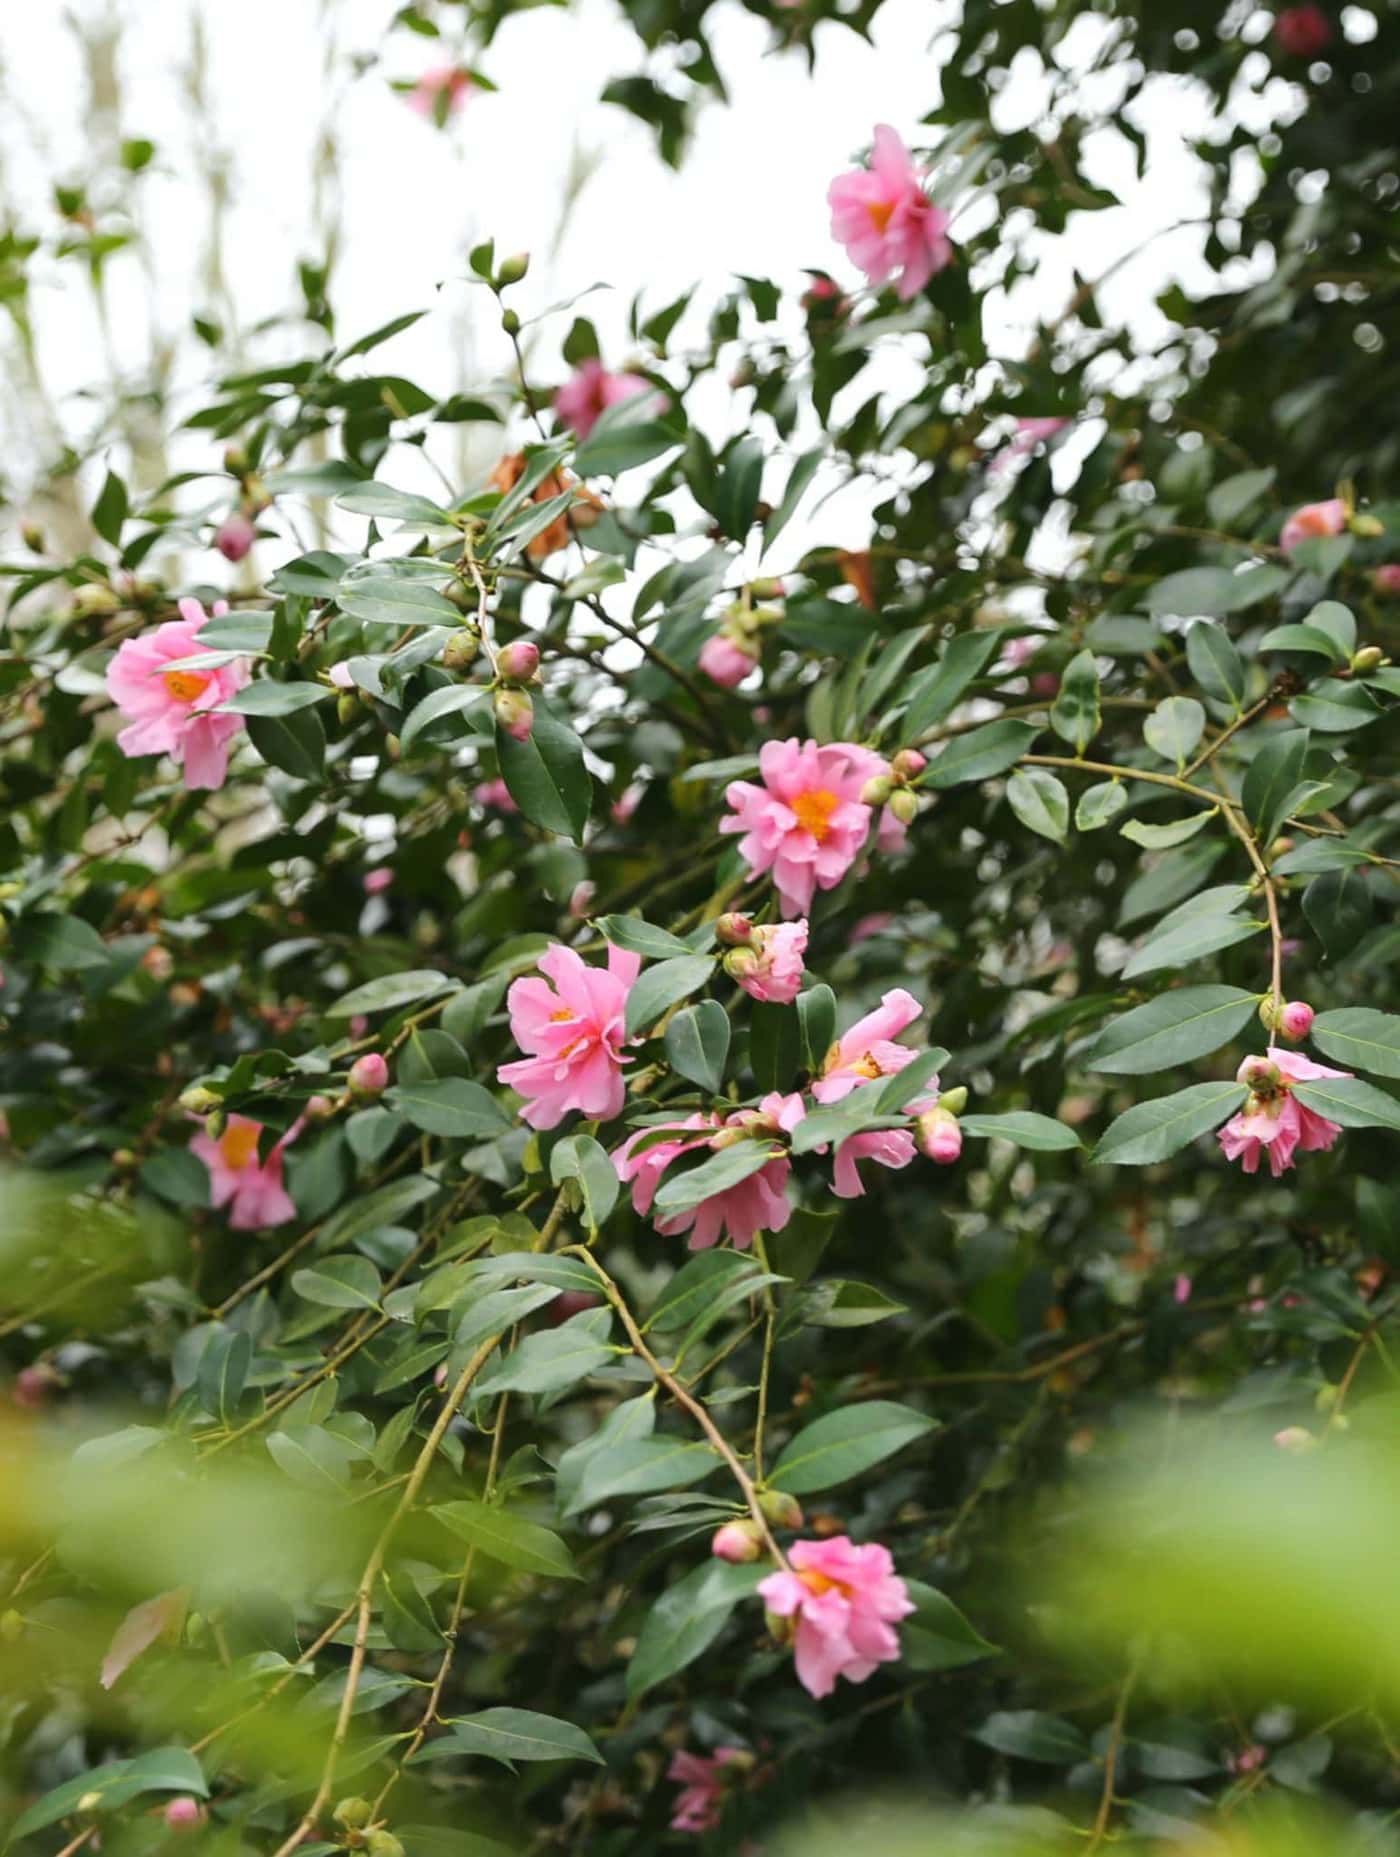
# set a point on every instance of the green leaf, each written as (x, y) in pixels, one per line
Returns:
(67, 944)
(395, 600)
(1074, 715)
(1351, 1101)
(736, 489)
(339, 1283)
(449, 1106)
(223, 1372)
(803, 471)
(1100, 805)
(1024, 1127)
(267, 698)
(846, 1443)
(1358, 1036)
(494, 1314)
(1163, 837)
(1174, 728)
(1339, 908)
(644, 938)
(1215, 663)
(525, 1546)
(1189, 940)
(1303, 638)
(1232, 496)
(450, 700)
(816, 1025)
(697, 1044)
(109, 512)
(509, 1735)
(580, 1158)
(547, 1362)
(295, 743)
(1338, 622)
(696, 1284)
(938, 689)
(1039, 801)
(679, 1191)
(624, 438)
(1334, 707)
(980, 754)
(663, 985)
(384, 1205)
(314, 1458)
(1193, 593)
(386, 504)
(1174, 1028)
(936, 1636)
(638, 1466)
(546, 775)
(1028, 1734)
(686, 1620)
(1152, 1131)
(775, 1045)
(838, 1302)
(634, 1418)
(1272, 781)
(390, 992)
(116, 1782)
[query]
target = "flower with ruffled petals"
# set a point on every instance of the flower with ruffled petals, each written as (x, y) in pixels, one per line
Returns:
(701, 1779)
(867, 1051)
(756, 1204)
(846, 1600)
(588, 393)
(169, 709)
(251, 1189)
(807, 822)
(1312, 520)
(1273, 1122)
(573, 1031)
(885, 220)
(768, 966)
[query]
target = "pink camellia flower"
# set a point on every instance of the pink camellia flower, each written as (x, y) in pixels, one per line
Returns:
(886, 221)
(757, 1204)
(588, 393)
(1273, 1121)
(846, 1600)
(1313, 519)
(1302, 31)
(234, 536)
(376, 882)
(868, 1052)
(441, 92)
(769, 965)
(574, 1032)
(701, 1799)
(1295, 1021)
(169, 709)
(496, 794)
(1386, 579)
(251, 1189)
(726, 660)
(807, 822)
(1029, 434)
(891, 1147)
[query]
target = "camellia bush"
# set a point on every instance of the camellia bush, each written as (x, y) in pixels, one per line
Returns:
(612, 1107)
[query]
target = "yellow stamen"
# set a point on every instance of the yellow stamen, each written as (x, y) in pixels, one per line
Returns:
(881, 212)
(185, 686)
(819, 1583)
(563, 1013)
(814, 811)
(239, 1145)
(867, 1066)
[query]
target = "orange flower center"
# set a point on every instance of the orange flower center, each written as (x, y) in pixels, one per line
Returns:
(881, 212)
(556, 1018)
(819, 1583)
(238, 1145)
(867, 1066)
(185, 686)
(814, 811)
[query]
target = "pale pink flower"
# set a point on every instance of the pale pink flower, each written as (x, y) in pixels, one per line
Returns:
(588, 393)
(1273, 1121)
(886, 221)
(574, 1032)
(627, 803)
(251, 1189)
(441, 92)
(846, 1600)
(807, 822)
(1029, 434)
(494, 793)
(169, 710)
(891, 1147)
(725, 660)
(758, 1204)
(1313, 519)
(376, 882)
(701, 1799)
(769, 965)
(868, 1052)
(339, 675)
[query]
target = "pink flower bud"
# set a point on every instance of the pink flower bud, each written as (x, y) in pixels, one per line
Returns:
(1295, 1439)
(736, 1541)
(33, 1387)
(877, 790)
(733, 930)
(782, 1510)
(1295, 1021)
(1302, 31)
(318, 1108)
(234, 536)
(1181, 1290)
(1260, 1073)
(369, 1075)
(725, 661)
(1386, 579)
(183, 1813)
(939, 1136)
(339, 675)
(908, 764)
(581, 899)
(376, 882)
(515, 714)
(518, 661)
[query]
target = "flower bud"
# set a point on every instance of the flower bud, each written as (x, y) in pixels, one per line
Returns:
(908, 764)
(736, 1541)
(1369, 526)
(1366, 659)
(237, 462)
(353, 1812)
(215, 1124)
(515, 714)
(459, 653)
(90, 600)
(383, 1844)
(954, 1101)
(11, 1626)
(1260, 1073)
(198, 1100)
(510, 322)
(34, 1386)
(939, 1136)
(877, 791)
(347, 707)
(780, 1509)
(781, 1630)
(234, 536)
(581, 899)
(741, 963)
(904, 805)
(1386, 578)
(369, 1075)
(183, 1813)
(512, 270)
(33, 537)
(519, 661)
(1295, 1021)
(1295, 1439)
(318, 1108)
(732, 929)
